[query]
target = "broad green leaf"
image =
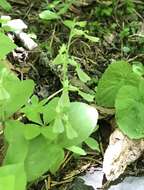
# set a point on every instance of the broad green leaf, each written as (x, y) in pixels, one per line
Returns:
(92, 143)
(69, 23)
(81, 74)
(86, 96)
(5, 5)
(77, 150)
(70, 132)
(48, 15)
(83, 119)
(4, 95)
(49, 111)
(19, 92)
(41, 157)
(58, 160)
(31, 131)
(7, 182)
(6, 44)
(17, 144)
(130, 110)
(16, 175)
(48, 133)
(33, 110)
(118, 74)
(58, 126)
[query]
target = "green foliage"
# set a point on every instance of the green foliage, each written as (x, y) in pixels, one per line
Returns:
(129, 110)
(55, 10)
(5, 5)
(48, 15)
(118, 74)
(122, 87)
(7, 45)
(92, 143)
(11, 87)
(13, 177)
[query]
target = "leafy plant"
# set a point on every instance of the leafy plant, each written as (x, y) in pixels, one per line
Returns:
(122, 87)
(5, 5)
(55, 9)
(56, 125)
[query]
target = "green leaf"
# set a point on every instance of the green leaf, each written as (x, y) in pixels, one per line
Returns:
(58, 126)
(77, 150)
(81, 74)
(83, 119)
(4, 95)
(49, 15)
(6, 44)
(58, 160)
(33, 110)
(86, 96)
(41, 157)
(16, 176)
(71, 133)
(48, 133)
(118, 74)
(92, 143)
(91, 38)
(77, 32)
(130, 110)
(31, 131)
(7, 182)
(5, 5)
(61, 57)
(19, 92)
(72, 61)
(17, 144)
(49, 110)
(69, 23)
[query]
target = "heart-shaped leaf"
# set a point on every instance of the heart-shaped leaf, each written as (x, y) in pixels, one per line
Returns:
(83, 119)
(118, 74)
(130, 110)
(41, 157)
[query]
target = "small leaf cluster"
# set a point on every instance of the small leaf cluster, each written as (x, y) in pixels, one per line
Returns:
(122, 87)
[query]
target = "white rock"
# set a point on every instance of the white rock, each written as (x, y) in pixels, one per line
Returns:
(27, 42)
(16, 25)
(121, 152)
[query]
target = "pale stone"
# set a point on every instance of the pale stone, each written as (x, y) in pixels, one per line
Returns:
(120, 152)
